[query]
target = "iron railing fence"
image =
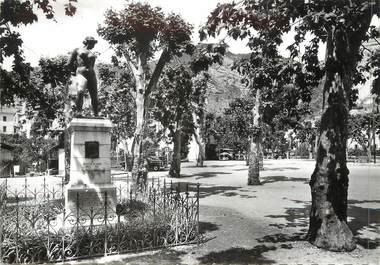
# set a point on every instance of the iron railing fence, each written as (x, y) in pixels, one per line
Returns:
(37, 227)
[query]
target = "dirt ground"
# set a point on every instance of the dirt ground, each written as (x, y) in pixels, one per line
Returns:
(267, 224)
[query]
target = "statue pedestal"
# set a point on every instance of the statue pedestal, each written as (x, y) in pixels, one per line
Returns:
(90, 183)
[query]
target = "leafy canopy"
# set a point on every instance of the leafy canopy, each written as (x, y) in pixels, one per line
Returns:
(14, 13)
(145, 29)
(263, 22)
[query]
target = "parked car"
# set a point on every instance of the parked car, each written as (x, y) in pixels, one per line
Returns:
(226, 154)
(155, 163)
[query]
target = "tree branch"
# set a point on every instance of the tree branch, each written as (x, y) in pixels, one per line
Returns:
(131, 65)
(157, 71)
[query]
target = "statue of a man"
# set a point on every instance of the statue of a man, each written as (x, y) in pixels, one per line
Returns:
(84, 59)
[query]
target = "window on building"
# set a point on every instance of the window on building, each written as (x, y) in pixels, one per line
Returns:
(4, 118)
(4, 128)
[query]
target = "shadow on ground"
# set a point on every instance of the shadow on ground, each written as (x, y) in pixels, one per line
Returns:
(360, 219)
(204, 175)
(205, 191)
(282, 168)
(238, 256)
(272, 179)
(364, 218)
(283, 238)
(295, 217)
(271, 168)
(162, 257)
(205, 227)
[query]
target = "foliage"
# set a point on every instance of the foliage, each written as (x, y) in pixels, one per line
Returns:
(274, 141)
(264, 22)
(302, 150)
(50, 79)
(29, 150)
(145, 29)
(117, 100)
(139, 31)
(306, 133)
(14, 13)
(361, 126)
(172, 99)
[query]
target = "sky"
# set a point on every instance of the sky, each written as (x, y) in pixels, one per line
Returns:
(48, 38)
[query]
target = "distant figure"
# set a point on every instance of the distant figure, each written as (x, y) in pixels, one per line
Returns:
(84, 60)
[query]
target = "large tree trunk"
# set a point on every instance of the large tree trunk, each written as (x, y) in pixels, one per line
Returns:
(175, 166)
(328, 227)
(315, 150)
(201, 148)
(143, 90)
(254, 152)
(138, 170)
(199, 140)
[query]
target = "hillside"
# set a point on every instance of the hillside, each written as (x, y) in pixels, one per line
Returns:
(224, 85)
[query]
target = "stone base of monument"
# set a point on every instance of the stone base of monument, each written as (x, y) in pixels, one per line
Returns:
(82, 199)
(90, 185)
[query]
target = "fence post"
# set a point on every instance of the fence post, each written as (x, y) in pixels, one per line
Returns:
(77, 222)
(17, 228)
(187, 206)
(198, 213)
(164, 198)
(63, 234)
(48, 227)
(176, 218)
(2, 207)
(118, 233)
(105, 223)
(154, 204)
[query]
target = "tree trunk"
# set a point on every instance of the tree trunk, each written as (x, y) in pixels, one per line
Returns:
(315, 150)
(261, 156)
(310, 151)
(289, 148)
(201, 148)
(254, 152)
(328, 227)
(368, 147)
(126, 152)
(247, 153)
(175, 166)
(138, 170)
